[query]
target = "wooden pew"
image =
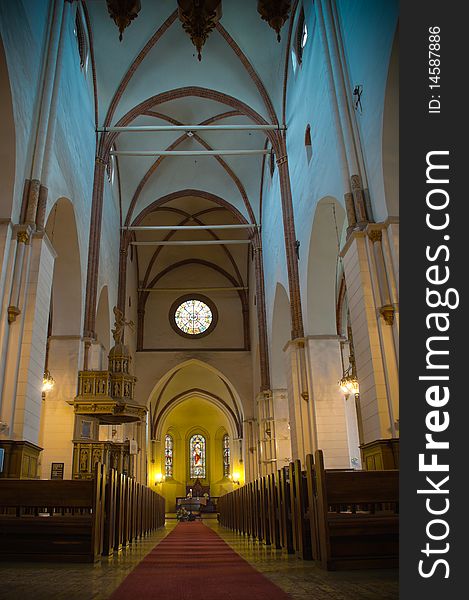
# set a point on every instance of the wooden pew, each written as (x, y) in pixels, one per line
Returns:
(299, 511)
(273, 508)
(312, 507)
(357, 517)
(77, 520)
(52, 520)
(110, 513)
(284, 510)
(120, 535)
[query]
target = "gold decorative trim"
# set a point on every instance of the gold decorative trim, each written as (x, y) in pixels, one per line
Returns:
(375, 235)
(22, 237)
(387, 312)
(13, 312)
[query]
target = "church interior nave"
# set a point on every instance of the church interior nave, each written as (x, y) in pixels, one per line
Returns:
(199, 278)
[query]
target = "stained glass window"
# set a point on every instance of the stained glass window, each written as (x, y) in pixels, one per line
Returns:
(168, 456)
(193, 317)
(226, 455)
(197, 456)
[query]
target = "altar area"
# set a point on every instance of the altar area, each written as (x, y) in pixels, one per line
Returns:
(197, 499)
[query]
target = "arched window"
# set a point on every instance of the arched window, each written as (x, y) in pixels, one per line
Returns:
(111, 168)
(193, 316)
(272, 163)
(197, 456)
(309, 150)
(303, 33)
(168, 455)
(301, 36)
(82, 39)
(226, 455)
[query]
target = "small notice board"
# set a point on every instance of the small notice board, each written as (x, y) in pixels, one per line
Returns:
(57, 470)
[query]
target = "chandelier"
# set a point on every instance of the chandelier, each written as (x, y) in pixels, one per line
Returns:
(123, 12)
(198, 18)
(275, 12)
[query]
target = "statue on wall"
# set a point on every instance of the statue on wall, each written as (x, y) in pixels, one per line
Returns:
(119, 325)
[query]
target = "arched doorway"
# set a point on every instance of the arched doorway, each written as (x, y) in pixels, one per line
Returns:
(64, 345)
(194, 424)
(332, 419)
(192, 399)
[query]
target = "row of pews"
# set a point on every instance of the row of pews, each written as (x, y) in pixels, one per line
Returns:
(76, 520)
(343, 519)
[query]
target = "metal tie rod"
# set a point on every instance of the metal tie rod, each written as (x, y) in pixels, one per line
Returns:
(191, 243)
(195, 289)
(186, 227)
(187, 152)
(144, 128)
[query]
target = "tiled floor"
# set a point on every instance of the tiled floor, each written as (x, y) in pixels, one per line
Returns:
(305, 581)
(301, 579)
(58, 581)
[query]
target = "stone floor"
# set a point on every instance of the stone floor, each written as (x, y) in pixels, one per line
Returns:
(301, 579)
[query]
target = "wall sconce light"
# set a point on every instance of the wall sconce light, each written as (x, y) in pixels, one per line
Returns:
(48, 382)
(235, 478)
(159, 478)
(349, 383)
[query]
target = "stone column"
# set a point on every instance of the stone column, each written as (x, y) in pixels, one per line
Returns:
(27, 344)
(251, 460)
(303, 432)
(327, 399)
(282, 428)
(8, 246)
(376, 375)
(267, 449)
(261, 314)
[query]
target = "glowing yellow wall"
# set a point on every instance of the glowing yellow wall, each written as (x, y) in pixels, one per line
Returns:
(195, 415)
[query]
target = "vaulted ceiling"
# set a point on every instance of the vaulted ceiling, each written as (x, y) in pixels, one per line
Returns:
(153, 77)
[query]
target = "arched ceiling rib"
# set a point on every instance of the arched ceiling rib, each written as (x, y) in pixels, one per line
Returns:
(153, 77)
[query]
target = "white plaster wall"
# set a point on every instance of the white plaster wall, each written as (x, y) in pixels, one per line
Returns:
(368, 30)
(328, 400)
(22, 28)
(58, 417)
(31, 368)
(368, 352)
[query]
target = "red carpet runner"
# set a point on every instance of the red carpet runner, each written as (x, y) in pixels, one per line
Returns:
(194, 563)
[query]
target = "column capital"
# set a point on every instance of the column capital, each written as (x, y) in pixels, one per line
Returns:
(375, 235)
(23, 233)
(387, 312)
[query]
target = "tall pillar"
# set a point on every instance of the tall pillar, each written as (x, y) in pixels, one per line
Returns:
(251, 460)
(303, 431)
(371, 316)
(282, 427)
(267, 449)
(327, 400)
(261, 314)
(94, 248)
(274, 430)
(25, 357)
